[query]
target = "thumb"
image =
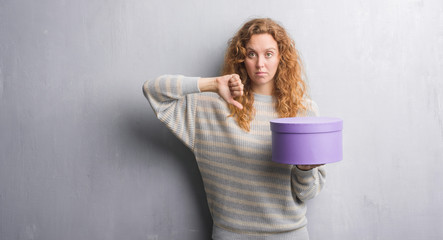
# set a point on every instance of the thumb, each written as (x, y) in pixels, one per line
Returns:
(236, 103)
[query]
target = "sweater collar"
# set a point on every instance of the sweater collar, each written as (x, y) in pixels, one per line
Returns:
(263, 98)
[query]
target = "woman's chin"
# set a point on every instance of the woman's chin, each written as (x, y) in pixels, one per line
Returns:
(261, 80)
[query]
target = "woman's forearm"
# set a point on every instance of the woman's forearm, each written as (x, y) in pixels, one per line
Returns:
(207, 84)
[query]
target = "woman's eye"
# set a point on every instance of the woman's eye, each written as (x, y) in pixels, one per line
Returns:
(251, 54)
(269, 54)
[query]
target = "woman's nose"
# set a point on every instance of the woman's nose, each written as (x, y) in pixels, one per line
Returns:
(260, 62)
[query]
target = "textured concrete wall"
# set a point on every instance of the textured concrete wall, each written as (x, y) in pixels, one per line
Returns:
(82, 155)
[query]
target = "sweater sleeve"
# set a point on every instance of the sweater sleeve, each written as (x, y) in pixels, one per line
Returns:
(308, 184)
(312, 108)
(173, 100)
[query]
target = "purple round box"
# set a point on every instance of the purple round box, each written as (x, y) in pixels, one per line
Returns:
(307, 140)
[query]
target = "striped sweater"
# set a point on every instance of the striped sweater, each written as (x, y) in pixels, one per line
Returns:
(248, 194)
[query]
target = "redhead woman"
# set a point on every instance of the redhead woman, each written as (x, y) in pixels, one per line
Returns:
(224, 120)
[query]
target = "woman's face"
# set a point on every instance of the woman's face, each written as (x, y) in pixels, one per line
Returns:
(262, 59)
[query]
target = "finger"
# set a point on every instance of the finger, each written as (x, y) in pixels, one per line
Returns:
(235, 76)
(236, 104)
(315, 165)
(308, 167)
(235, 82)
(236, 88)
(236, 93)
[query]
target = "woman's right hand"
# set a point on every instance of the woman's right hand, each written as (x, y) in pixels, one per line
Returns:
(230, 87)
(227, 86)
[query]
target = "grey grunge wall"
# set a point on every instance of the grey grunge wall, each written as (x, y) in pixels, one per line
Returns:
(82, 155)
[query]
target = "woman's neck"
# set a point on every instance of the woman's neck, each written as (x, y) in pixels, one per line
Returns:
(262, 89)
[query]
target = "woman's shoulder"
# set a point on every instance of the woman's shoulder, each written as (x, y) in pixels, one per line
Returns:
(311, 106)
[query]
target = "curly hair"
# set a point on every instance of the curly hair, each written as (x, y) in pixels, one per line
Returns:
(289, 90)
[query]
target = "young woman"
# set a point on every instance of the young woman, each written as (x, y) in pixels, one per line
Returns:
(225, 122)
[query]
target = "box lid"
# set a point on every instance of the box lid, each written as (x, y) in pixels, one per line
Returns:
(306, 124)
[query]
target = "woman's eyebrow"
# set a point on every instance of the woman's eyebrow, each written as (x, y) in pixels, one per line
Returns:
(268, 49)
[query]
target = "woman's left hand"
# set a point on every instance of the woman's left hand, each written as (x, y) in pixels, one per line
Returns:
(308, 167)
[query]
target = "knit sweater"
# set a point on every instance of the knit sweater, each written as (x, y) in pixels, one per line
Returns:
(248, 195)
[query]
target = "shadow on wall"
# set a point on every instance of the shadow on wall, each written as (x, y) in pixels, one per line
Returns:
(145, 132)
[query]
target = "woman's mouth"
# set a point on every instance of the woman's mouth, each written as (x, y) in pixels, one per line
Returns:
(260, 73)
